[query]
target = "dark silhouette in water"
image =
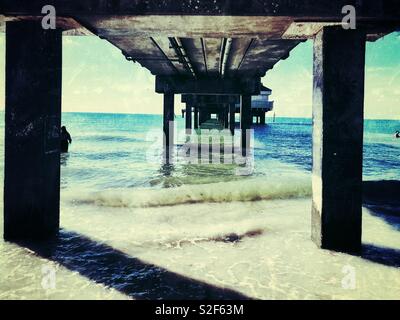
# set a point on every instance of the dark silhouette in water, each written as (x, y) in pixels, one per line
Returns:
(397, 134)
(65, 139)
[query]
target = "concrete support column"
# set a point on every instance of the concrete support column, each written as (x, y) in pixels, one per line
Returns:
(168, 125)
(196, 118)
(201, 116)
(32, 131)
(232, 110)
(245, 122)
(219, 116)
(338, 99)
(262, 117)
(226, 116)
(188, 119)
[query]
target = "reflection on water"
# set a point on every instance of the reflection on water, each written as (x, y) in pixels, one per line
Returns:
(166, 169)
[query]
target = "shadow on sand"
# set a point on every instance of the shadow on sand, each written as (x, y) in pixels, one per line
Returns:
(106, 265)
(382, 198)
(386, 256)
(131, 276)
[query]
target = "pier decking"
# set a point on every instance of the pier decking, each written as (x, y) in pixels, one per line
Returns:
(218, 48)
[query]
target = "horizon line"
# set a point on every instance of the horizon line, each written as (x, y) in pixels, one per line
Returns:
(160, 114)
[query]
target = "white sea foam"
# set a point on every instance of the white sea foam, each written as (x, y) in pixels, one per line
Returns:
(242, 190)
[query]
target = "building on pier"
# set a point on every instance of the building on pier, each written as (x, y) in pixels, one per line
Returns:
(260, 105)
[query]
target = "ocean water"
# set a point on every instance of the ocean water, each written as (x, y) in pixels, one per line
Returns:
(133, 227)
(118, 145)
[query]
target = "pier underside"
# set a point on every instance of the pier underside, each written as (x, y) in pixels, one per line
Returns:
(219, 48)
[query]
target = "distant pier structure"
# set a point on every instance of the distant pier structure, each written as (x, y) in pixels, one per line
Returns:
(260, 105)
(217, 48)
(200, 109)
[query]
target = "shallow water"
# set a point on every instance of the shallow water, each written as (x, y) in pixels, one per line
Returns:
(133, 228)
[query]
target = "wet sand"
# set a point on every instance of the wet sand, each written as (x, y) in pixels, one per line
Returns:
(256, 250)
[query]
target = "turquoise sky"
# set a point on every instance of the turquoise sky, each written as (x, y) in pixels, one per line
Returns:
(97, 78)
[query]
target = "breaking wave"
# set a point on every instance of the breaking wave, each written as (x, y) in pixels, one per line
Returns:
(244, 190)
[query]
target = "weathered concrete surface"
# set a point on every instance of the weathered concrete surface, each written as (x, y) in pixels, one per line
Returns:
(196, 118)
(68, 25)
(168, 125)
(226, 116)
(182, 38)
(262, 118)
(188, 119)
(245, 122)
(232, 109)
(32, 131)
(338, 99)
(294, 8)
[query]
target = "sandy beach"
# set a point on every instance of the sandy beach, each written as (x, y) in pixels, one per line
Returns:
(257, 249)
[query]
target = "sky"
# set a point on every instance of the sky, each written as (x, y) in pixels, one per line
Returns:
(97, 78)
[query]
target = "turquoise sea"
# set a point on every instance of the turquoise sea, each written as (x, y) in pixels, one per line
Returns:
(110, 151)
